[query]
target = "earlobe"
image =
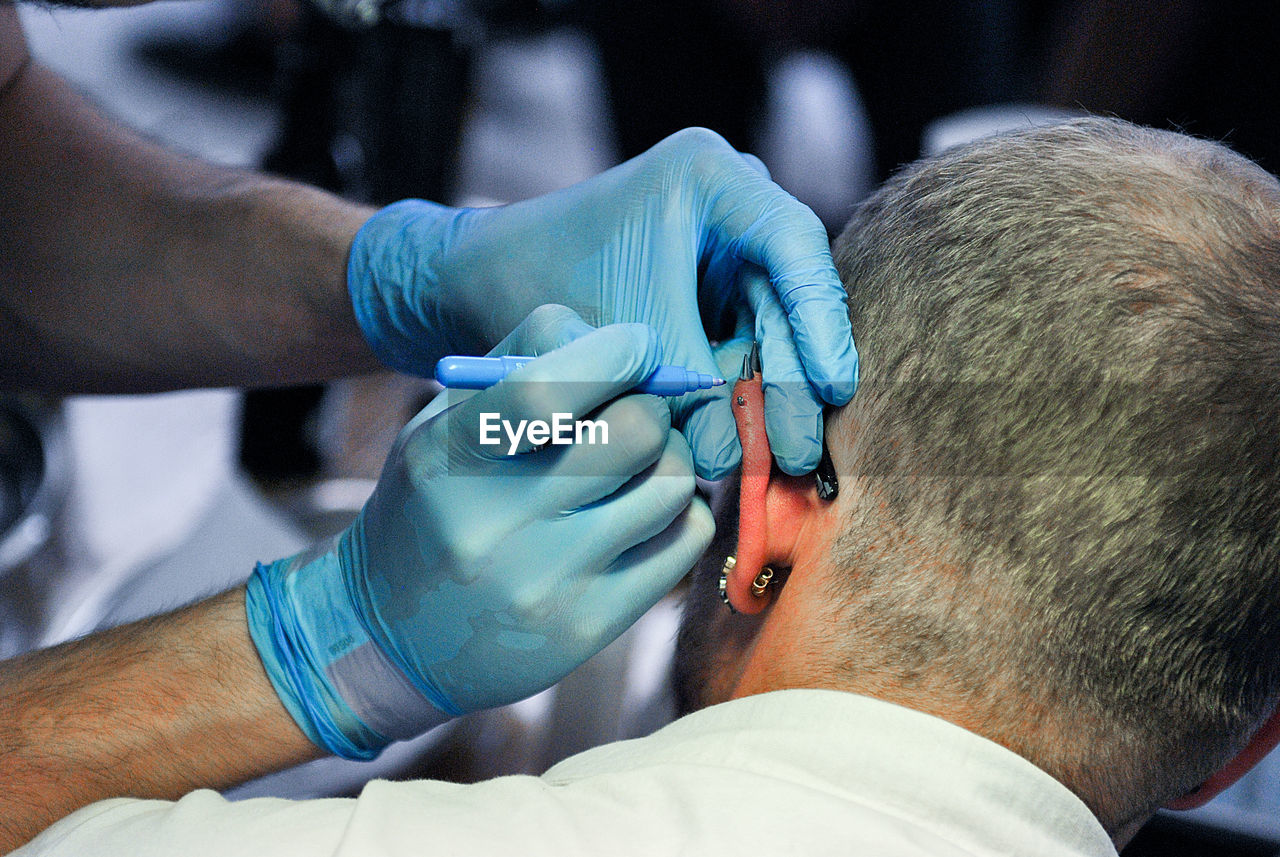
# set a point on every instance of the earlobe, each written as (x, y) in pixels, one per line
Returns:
(770, 515)
(772, 506)
(761, 595)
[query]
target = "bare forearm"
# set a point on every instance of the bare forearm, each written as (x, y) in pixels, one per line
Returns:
(152, 709)
(128, 268)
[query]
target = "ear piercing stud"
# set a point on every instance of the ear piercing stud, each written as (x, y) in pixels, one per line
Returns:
(761, 583)
(729, 563)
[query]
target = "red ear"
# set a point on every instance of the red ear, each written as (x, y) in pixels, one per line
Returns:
(1262, 743)
(757, 464)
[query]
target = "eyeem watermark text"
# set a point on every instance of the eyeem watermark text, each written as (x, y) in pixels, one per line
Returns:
(561, 431)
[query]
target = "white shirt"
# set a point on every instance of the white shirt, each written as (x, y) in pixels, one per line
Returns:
(804, 772)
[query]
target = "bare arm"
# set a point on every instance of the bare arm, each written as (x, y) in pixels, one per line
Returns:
(152, 709)
(124, 267)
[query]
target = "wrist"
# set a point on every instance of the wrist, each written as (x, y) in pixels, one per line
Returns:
(335, 681)
(296, 657)
(395, 287)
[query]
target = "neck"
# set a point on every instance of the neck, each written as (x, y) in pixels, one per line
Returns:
(793, 648)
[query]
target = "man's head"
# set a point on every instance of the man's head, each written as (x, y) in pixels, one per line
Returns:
(1059, 521)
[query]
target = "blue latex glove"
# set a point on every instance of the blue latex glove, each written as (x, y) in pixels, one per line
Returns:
(627, 245)
(474, 578)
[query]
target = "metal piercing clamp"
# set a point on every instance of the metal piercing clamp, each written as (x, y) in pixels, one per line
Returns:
(825, 475)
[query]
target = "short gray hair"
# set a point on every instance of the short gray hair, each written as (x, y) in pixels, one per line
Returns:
(1070, 396)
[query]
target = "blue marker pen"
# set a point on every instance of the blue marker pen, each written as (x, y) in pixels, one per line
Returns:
(478, 373)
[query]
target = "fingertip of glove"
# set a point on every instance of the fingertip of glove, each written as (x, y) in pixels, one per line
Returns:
(756, 164)
(798, 463)
(712, 435)
(793, 418)
(795, 440)
(720, 464)
(839, 379)
(842, 390)
(547, 328)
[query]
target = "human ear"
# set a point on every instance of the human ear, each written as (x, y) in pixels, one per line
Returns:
(1262, 743)
(772, 506)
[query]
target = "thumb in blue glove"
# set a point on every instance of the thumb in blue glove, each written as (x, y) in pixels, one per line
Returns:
(474, 577)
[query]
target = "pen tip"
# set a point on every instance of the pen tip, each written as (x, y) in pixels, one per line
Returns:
(716, 382)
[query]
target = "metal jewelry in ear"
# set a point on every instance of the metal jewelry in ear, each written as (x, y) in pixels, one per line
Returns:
(729, 563)
(761, 583)
(758, 586)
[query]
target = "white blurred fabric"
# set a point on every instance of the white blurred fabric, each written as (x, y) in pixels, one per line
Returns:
(807, 772)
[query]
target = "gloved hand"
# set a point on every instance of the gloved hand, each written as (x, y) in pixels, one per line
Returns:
(627, 245)
(474, 578)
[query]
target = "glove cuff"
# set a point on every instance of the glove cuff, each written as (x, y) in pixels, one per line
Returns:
(393, 288)
(340, 688)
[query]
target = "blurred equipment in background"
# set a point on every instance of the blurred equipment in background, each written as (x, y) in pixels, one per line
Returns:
(1199, 66)
(236, 54)
(670, 64)
(33, 482)
(372, 98)
(32, 476)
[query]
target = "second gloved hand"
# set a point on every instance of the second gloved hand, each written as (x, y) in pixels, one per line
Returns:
(472, 577)
(628, 246)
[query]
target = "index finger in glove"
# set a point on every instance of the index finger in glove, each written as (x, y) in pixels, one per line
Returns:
(792, 409)
(623, 438)
(751, 218)
(648, 571)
